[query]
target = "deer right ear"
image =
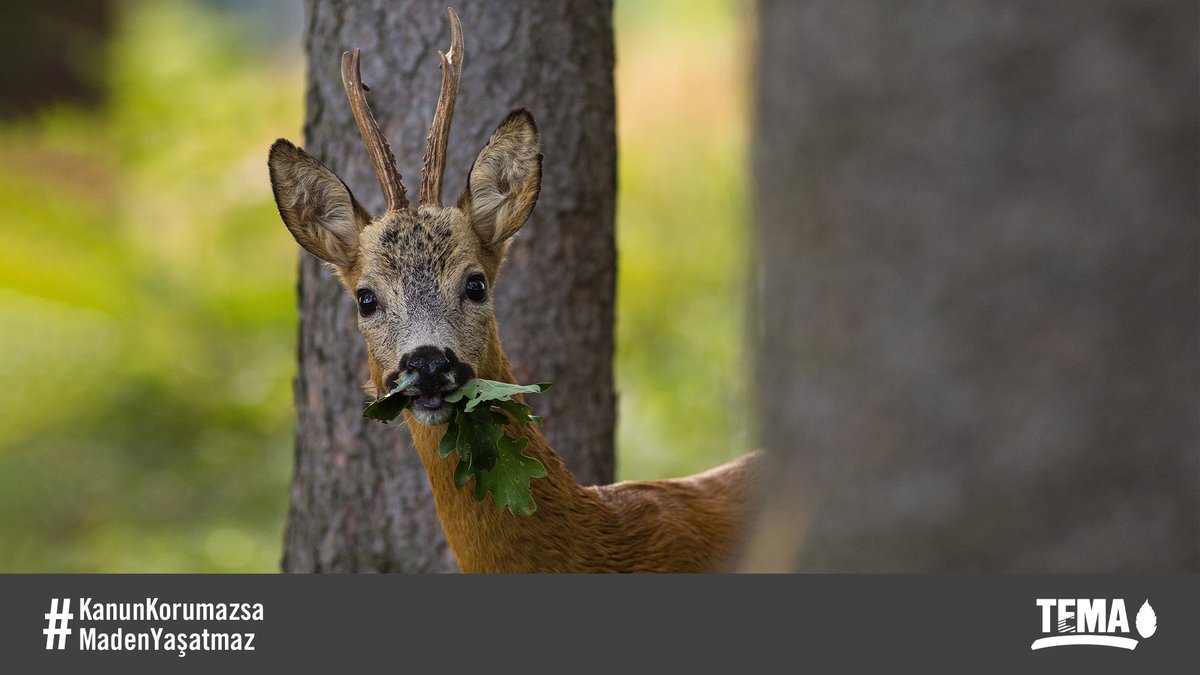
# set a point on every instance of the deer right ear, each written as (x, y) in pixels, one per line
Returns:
(505, 179)
(315, 205)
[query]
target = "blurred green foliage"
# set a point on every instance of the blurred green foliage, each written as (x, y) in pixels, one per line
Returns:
(147, 312)
(682, 236)
(147, 308)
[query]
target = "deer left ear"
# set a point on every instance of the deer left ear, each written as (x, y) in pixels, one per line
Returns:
(505, 179)
(316, 206)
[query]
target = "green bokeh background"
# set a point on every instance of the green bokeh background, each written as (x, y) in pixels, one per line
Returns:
(147, 288)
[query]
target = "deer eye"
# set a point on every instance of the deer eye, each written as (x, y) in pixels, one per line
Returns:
(476, 288)
(367, 303)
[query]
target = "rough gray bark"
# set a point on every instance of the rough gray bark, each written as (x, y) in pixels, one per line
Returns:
(360, 499)
(978, 237)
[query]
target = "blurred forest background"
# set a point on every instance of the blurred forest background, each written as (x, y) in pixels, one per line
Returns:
(977, 257)
(147, 287)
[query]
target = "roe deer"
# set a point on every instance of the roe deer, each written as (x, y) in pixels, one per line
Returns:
(421, 276)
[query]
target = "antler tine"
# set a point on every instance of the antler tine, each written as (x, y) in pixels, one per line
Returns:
(434, 164)
(382, 158)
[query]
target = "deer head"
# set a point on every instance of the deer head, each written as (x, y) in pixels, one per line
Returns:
(422, 276)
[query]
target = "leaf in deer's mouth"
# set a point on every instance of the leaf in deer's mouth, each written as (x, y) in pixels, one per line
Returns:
(476, 432)
(508, 480)
(477, 391)
(389, 406)
(485, 451)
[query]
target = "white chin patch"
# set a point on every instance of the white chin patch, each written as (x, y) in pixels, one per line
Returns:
(431, 417)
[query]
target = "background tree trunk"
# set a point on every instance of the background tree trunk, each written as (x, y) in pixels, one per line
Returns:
(360, 499)
(978, 237)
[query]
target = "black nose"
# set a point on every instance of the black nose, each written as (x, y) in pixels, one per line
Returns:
(429, 361)
(437, 371)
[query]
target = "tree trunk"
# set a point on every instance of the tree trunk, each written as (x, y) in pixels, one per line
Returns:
(978, 239)
(360, 499)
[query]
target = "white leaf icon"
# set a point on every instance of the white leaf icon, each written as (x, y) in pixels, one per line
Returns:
(1146, 621)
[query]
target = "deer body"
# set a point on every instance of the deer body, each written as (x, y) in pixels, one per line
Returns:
(422, 278)
(681, 525)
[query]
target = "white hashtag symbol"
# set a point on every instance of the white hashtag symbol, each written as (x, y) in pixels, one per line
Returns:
(53, 617)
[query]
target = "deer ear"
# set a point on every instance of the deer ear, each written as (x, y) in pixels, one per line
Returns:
(316, 206)
(505, 179)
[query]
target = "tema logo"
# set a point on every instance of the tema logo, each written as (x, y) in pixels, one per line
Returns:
(1086, 621)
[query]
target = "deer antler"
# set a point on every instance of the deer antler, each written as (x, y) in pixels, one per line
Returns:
(377, 146)
(434, 163)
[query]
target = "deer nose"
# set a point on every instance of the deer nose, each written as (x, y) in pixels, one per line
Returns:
(429, 361)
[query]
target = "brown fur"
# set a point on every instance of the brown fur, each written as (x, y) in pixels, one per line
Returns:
(416, 262)
(691, 524)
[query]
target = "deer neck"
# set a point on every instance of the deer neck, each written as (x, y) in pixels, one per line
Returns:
(486, 539)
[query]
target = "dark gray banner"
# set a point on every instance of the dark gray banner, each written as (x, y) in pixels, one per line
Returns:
(1119, 623)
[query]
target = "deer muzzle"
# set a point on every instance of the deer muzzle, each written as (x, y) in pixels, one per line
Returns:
(439, 372)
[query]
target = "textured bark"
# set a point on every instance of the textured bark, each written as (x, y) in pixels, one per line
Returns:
(978, 237)
(360, 498)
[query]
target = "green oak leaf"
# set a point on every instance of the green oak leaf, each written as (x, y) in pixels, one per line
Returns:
(476, 432)
(518, 412)
(389, 406)
(509, 480)
(462, 474)
(477, 436)
(477, 391)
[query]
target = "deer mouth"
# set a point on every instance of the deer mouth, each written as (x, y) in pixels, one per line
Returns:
(430, 392)
(431, 401)
(429, 405)
(427, 381)
(431, 409)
